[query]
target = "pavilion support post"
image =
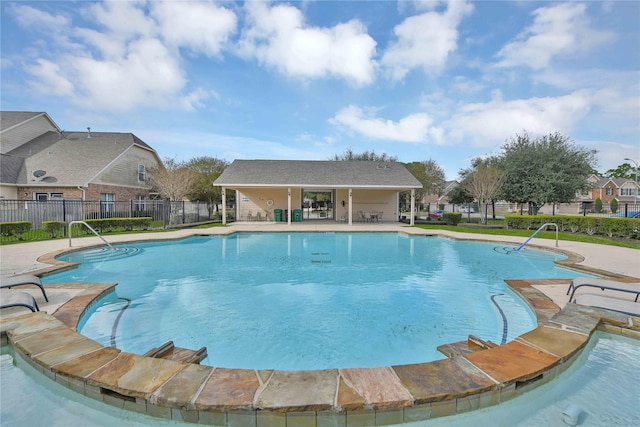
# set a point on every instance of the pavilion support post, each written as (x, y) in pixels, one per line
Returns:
(289, 206)
(350, 210)
(413, 206)
(224, 206)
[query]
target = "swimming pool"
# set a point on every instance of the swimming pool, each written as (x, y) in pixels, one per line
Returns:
(603, 382)
(308, 300)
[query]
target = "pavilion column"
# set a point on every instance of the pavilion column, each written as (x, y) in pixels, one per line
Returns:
(350, 216)
(413, 206)
(289, 206)
(224, 206)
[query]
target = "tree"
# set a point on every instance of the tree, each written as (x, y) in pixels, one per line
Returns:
(460, 195)
(206, 170)
(484, 183)
(365, 155)
(625, 170)
(173, 180)
(613, 205)
(430, 175)
(549, 169)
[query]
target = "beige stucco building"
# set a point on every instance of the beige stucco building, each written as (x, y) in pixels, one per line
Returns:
(358, 190)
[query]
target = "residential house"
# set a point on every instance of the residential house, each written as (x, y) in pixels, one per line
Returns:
(39, 161)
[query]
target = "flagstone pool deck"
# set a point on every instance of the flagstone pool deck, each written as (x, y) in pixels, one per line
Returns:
(48, 341)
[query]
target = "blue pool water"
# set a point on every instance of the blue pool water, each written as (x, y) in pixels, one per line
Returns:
(308, 300)
(603, 382)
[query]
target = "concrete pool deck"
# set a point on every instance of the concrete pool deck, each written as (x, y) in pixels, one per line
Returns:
(332, 397)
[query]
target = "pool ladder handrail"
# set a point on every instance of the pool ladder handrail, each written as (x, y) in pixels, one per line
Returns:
(90, 228)
(543, 226)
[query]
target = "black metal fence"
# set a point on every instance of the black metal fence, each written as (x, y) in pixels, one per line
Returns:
(164, 214)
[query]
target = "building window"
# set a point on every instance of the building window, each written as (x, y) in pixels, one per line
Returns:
(141, 173)
(627, 191)
(140, 203)
(56, 196)
(42, 197)
(107, 202)
(609, 191)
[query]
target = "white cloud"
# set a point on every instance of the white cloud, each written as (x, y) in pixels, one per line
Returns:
(279, 37)
(128, 58)
(147, 75)
(48, 79)
(413, 128)
(202, 27)
(562, 29)
(486, 124)
(30, 17)
(425, 41)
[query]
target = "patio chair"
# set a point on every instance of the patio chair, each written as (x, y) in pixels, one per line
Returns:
(10, 299)
(23, 280)
(624, 306)
(603, 284)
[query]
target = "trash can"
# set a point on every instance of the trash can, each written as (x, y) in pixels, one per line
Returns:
(297, 215)
(277, 215)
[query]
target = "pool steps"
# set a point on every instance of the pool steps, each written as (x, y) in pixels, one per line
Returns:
(169, 351)
(460, 348)
(333, 397)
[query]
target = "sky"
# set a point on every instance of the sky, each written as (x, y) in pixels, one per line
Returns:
(441, 80)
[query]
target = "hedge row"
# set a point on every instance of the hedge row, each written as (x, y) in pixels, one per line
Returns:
(14, 229)
(57, 228)
(627, 228)
(105, 225)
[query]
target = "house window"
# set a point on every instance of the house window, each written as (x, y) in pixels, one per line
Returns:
(609, 191)
(627, 191)
(56, 196)
(42, 197)
(141, 173)
(140, 203)
(107, 202)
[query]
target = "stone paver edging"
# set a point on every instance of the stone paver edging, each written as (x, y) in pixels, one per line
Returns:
(331, 397)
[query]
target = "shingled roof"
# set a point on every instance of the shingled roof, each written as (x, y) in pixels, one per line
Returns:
(317, 174)
(71, 159)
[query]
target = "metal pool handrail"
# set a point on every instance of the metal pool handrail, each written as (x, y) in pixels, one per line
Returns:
(90, 228)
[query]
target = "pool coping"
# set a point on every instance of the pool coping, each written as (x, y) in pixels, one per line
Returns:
(330, 397)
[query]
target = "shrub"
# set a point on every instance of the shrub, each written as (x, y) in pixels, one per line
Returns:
(106, 225)
(452, 218)
(614, 206)
(598, 205)
(54, 228)
(14, 229)
(626, 228)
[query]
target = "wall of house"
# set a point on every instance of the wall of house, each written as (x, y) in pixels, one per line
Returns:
(124, 171)
(19, 135)
(29, 192)
(385, 201)
(254, 200)
(8, 193)
(92, 193)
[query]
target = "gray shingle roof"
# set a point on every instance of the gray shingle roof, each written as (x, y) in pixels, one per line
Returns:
(318, 174)
(10, 169)
(8, 119)
(73, 160)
